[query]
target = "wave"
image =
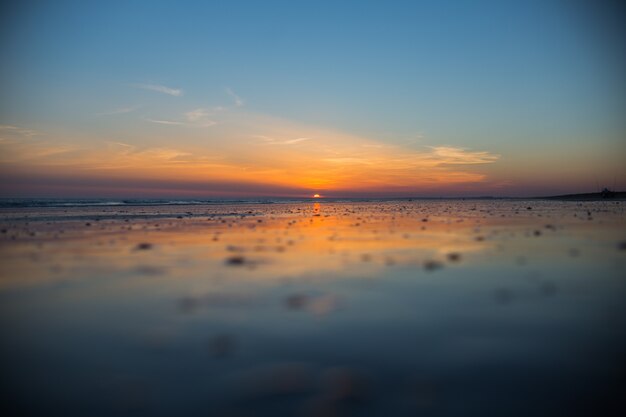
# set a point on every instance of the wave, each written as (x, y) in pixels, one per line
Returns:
(56, 202)
(103, 202)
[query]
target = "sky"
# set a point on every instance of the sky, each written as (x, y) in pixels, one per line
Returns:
(292, 98)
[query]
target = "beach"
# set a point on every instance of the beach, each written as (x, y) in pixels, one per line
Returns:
(314, 308)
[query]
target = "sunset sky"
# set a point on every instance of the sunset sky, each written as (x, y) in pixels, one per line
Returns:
(344, 99)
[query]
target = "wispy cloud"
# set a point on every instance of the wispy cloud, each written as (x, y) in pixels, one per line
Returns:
(460, 156)
(348, 160)
(121, 145)
(165, 122)
(200, 117)
(18, 131)
(238, 100)
(293, 141)
(120, 110)
(286, 155)
(272, 141)
(177, 92)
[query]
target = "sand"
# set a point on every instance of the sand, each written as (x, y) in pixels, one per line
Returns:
(314, 308)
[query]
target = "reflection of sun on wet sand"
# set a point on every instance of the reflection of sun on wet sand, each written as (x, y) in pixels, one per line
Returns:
(295, 304)
(269, 242)
(282, 239)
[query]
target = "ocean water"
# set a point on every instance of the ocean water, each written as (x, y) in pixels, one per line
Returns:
(312, 308)
(104, 202)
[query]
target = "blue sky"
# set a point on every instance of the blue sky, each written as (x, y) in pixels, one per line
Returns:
(539, 83)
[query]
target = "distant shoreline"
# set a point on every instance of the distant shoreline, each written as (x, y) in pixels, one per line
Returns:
(616, 196)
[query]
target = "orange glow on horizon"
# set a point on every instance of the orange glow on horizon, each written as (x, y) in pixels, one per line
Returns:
(285, 156)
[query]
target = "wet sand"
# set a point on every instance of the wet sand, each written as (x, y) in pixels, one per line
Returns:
(318, 308)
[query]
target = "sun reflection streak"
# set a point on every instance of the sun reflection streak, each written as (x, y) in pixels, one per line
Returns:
(286, 239)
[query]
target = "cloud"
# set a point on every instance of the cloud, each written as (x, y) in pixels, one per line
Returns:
(165, 122)
(122, 148)
(200, 117)
(272, 141)
(121, 110)
(17, 131)
(461, 156)
(296, 140)
(238, 100)
(352, 164)
(197, 114)
(160, 89)
(34, 152)
(347, 160)
(286, 156)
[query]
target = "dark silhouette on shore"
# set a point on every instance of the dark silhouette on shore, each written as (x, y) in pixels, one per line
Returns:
(605, 194)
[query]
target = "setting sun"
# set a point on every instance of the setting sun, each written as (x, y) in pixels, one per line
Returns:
(316, 196)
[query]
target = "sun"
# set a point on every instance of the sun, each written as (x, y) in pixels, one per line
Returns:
(316, 196)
